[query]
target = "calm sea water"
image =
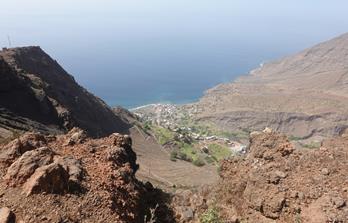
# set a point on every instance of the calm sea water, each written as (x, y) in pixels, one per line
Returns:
(132, 53)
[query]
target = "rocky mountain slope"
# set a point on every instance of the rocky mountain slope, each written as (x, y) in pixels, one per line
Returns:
(56, 177)
(274, 182)
(304, 95)
(36, 93)
(73, 178)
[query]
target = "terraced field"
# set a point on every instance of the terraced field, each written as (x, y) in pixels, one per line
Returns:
(156, 167)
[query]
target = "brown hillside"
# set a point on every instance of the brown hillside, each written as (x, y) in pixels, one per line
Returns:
(304, 95)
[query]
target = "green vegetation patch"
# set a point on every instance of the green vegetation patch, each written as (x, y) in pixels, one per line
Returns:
(173, 155)
(147, 126)
(211, 216)
(219, 151)
(189, 150)
(210, 159)
(199, 161)
(163, 135)
(312, 145)
(294, 138)
(189, 153)
(211, 129)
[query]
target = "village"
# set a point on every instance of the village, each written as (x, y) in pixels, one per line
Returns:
(176, 130)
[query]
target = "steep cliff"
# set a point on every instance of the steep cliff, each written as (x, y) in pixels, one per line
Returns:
(38, 94)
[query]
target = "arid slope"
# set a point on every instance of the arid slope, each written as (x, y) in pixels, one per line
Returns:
(156, 166)
(304, 95)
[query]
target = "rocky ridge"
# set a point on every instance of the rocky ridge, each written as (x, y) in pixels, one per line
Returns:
(274, 182)
(37, 94)
(73, 178)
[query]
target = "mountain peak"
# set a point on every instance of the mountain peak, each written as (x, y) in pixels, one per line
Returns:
(45, 93)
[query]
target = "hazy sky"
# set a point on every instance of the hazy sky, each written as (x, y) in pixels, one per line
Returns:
(167, 50)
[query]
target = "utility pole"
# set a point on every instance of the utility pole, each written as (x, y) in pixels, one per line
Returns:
(9, 41)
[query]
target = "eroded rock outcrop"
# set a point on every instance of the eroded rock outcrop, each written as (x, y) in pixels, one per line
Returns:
(51, 178)
(79, 183)
(74, 169)
(76, 136)
(17, 147)
(274, 182)
(25, 166)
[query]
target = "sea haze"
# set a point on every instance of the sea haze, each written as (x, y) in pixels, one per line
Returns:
(132, 53)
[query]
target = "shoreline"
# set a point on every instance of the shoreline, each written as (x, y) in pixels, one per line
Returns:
(146, 105)
(161, 103)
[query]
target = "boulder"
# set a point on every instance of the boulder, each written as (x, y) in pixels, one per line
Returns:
(17, 147)
(276, 176)
(267, 130)
(184, 213)
(52, 178)
(41, 170)
(76, 136)
(74, 169)
(26, 165)
(273, 205)
(7, 216)
(121, 140)
(187, 215)
(338, 202)
(123, 148)
(325, 171)
(117, 155)
(30, 141)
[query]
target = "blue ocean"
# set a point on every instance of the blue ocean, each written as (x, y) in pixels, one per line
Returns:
(132, 53)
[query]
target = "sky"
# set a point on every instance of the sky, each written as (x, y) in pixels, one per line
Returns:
(134, 52)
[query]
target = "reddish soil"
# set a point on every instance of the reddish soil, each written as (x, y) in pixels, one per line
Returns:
(276, 183)
(108, 192)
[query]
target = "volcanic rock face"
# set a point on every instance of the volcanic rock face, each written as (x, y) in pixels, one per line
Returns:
(51, 178)
(277, 182)
(38, 94)
(25, 166)
(88, 181)
(17, 147)
(304, 95)
(274, 182)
